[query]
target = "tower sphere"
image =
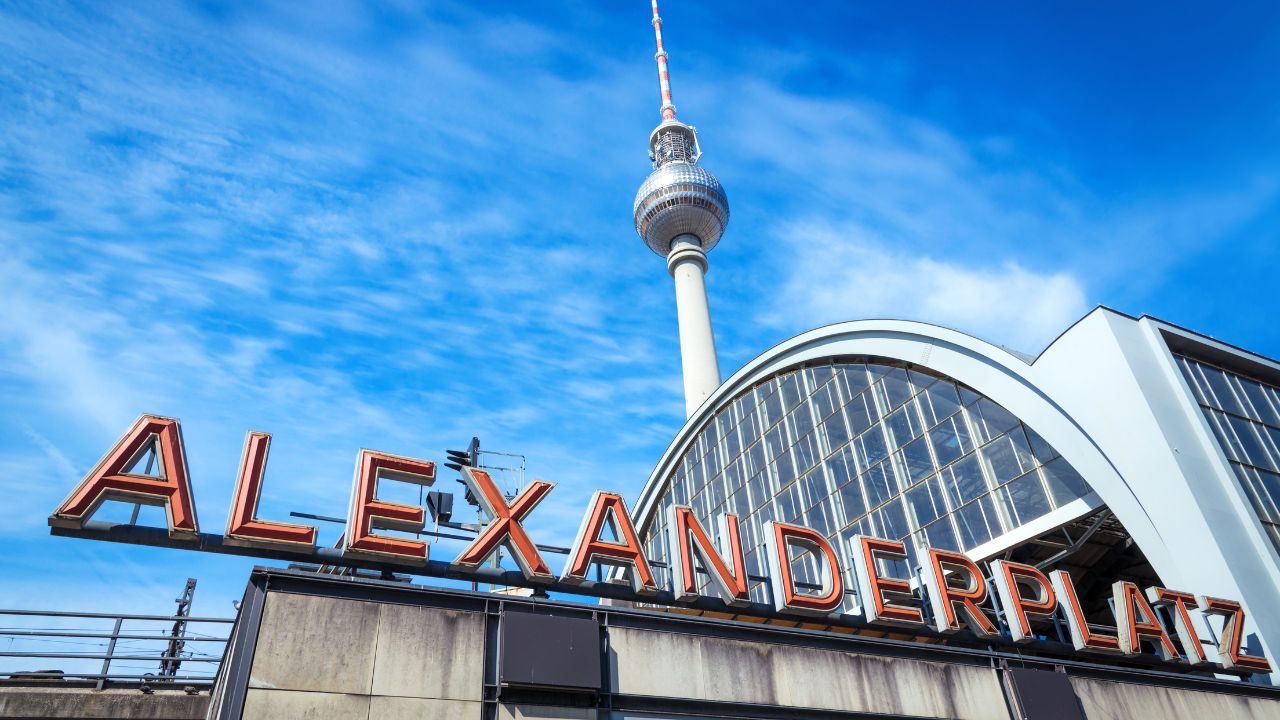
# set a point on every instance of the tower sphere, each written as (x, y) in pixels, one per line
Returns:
(680, 197)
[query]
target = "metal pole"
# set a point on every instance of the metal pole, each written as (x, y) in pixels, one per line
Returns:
(151, 461)
(111, 650)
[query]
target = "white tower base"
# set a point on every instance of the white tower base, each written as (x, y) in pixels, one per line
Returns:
(687, 263)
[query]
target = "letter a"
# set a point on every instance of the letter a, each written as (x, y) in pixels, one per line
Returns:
(608, 510)
(109, 480)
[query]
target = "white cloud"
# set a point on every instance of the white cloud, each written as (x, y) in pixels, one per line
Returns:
(837, 274)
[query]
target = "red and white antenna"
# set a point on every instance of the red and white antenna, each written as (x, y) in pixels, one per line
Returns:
(664, 77)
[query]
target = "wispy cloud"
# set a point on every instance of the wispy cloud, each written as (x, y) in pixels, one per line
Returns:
(843, 273)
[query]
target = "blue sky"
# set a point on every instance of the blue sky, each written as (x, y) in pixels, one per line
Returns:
(398, 226)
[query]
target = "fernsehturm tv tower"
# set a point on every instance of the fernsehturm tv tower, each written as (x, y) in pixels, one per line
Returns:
(681, 212)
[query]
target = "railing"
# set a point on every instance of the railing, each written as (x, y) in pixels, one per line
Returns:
(98, 648)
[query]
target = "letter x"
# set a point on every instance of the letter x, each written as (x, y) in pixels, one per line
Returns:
(504, 525)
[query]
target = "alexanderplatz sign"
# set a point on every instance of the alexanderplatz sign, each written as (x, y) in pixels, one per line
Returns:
(955, 595)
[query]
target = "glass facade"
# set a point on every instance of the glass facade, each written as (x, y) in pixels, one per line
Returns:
(1245, 415)
(865, 447)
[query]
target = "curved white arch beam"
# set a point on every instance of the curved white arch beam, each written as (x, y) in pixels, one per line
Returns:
(993, 371)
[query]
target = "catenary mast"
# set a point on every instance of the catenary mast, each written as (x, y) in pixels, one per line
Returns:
(681, 212)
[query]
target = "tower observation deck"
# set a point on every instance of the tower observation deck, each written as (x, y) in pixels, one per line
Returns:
(681, 212)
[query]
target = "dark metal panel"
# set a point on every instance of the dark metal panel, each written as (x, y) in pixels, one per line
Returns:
(1044, 695)
(233, 675)
(549, 651)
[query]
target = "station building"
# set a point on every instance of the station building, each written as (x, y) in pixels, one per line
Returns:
(1129, 449)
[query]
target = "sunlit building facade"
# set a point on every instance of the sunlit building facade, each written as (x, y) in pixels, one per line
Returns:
(1129, 449)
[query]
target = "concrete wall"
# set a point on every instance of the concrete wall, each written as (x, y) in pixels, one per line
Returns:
(733, 671)
(331, 658)
(337, 648)
(1105, 700)
(54, 702)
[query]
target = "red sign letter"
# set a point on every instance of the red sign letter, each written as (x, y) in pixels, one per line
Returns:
(1136, 621)
(1230, 651)
(368, 512)
(779, 539)
(1178, 603)
(504, 525)
(243, 525)
(687, 538)
(946, 599)
(608, 509)
(1081, 636)
(877, 593)
(109, 481)
(1010, 578)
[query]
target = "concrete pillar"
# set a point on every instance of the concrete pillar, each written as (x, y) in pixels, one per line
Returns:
(687, 263)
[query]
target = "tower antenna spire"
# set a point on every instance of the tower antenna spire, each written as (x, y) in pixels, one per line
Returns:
(664, 76)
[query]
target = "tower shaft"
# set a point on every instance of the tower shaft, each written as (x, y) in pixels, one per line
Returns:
(687, 264)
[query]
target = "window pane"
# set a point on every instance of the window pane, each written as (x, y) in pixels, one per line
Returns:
(806, 453)
(964, 481)
(903, 425)
(925, 503)
(1255, 453)
(1008, 456)
(841, 467)
(893, 521)
(1269, 485)
(916, 459)
(977, 522)
(772, 409)
(1221, 389)
(938, 401)
(920, 381)
(789, 504)
(825, 400)
(853, 379)
(835, 432)
(951, 439)
(852, 501)
(815, 487)
(990, 420)
(871, 448)
(897, 388)
(1024, 499)
(879, 484)
(791, 391)
(861, 413)
(1263, 408)
(784, 469)
(1043, 451)
(1065, 484)
(800, 420)
(942, 535)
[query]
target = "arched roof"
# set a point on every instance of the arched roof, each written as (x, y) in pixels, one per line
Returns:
(1001, 375)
